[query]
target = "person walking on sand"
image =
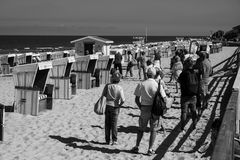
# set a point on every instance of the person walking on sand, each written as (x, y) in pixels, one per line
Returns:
(176, 70)
(141, 62)
(189, 82)
(157, 59)
(130, 64)
(144, 96)
(159, 77)
(114, 99)
(205, 71)
(118, 62)
(204, 68)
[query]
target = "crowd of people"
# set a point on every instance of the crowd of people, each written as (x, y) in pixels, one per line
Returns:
(191, 76)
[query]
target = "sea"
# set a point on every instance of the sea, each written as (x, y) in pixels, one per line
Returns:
(8, 43)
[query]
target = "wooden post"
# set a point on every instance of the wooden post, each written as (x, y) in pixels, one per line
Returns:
(236, 88)
(2, 119)
(224, 147)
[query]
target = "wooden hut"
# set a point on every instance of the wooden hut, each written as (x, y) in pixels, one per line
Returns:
(60, 75)
(104, 64)
(84, 68)
(31, 93)
(91, 45)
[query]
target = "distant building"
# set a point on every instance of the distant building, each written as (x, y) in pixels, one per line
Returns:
(92, 45)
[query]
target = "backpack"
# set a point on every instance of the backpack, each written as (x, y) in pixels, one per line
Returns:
(192, 82)
(159, 107)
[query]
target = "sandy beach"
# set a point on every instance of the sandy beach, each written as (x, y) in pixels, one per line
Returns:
(72, 131)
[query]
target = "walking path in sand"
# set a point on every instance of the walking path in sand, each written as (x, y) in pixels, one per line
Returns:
(73, 131)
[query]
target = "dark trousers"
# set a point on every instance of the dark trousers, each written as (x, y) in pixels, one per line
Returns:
(142, 68)
(129, 69)
(118, 66)
(111, 117)
(188, 102)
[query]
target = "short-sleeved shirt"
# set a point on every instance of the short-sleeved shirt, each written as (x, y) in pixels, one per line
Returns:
(114, 94)
(147, 90)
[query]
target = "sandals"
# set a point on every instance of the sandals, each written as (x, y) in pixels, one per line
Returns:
(150, 152)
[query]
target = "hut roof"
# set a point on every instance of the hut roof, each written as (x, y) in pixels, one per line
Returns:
(94, 38)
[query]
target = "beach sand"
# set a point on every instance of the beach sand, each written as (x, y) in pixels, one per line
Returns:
(72, 131)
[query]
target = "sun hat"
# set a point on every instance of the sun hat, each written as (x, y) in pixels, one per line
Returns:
(116, 76)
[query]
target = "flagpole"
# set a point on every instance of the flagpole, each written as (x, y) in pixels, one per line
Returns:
(146, 34)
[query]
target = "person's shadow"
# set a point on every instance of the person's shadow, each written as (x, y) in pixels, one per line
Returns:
(87, 145)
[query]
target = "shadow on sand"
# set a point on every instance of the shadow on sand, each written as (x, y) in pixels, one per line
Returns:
(87, 145)
(225, 90)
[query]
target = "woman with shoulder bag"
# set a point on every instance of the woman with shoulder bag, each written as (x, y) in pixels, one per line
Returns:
(114, 99)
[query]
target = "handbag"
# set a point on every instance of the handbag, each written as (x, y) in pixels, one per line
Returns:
(159, 107)
(100, 106)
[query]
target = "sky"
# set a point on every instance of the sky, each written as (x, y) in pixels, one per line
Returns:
(118, 17)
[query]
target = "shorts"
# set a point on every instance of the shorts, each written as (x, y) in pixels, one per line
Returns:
(145, 117)
(203, 88)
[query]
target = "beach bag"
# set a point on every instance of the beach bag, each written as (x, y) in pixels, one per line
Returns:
(192, 82)
(159, 107)
(100, 106)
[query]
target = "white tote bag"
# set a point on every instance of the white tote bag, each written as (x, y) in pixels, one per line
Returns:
(100, 106)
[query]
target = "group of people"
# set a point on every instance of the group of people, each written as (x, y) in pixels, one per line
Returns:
(193, 78)
(140, 61)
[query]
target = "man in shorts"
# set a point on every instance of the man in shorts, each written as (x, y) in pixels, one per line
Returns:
(146, 92)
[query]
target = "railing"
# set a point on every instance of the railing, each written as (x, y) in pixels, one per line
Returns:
(224, 146)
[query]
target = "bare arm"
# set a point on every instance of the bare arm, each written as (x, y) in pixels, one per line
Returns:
(137, 101)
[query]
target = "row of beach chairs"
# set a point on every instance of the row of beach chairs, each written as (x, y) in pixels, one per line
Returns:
(37, 84)
(7, 62)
